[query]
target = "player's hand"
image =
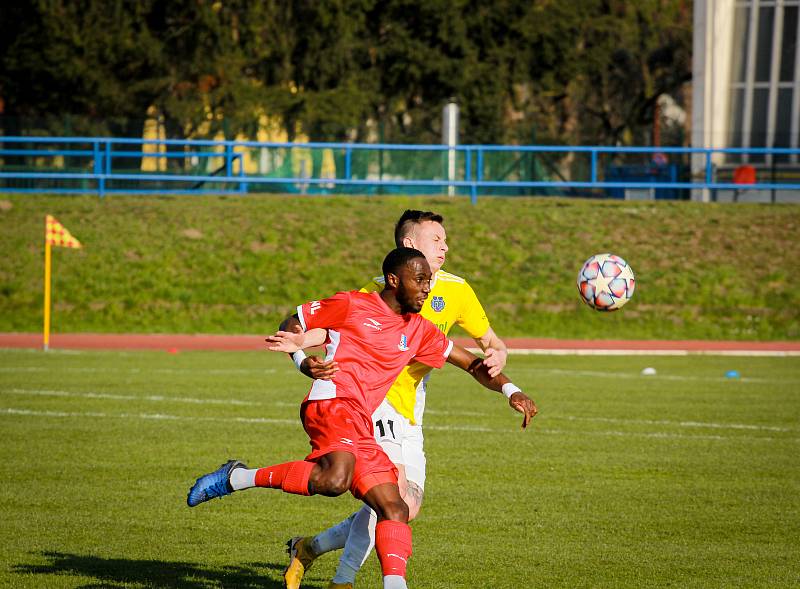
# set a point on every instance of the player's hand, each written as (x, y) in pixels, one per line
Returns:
(319, 369)
(525, 405)
(286, 341)
(495, 361)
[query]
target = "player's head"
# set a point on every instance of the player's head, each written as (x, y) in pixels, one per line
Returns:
(408, 274)
(423, 230)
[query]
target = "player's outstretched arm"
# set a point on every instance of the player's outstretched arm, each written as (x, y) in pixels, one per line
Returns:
(291, 339)
(495, 352)
(518, 400)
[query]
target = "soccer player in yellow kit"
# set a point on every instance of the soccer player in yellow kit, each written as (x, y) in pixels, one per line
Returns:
(398, 420)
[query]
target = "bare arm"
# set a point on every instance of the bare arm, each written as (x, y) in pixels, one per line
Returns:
(470, 363)
(291, 338)
(495, 350)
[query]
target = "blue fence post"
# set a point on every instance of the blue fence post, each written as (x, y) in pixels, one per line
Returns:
(100, 167)
(242, 185)
(380, 168)
(228, 160)
(97, 167)
(473, 190)
(709, 176)
(107, 164)
(593, 171)
(348, 163)
(478, 174)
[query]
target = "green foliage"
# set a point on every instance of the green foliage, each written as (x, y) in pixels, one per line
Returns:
(582, 72)
(97, 60)
(240, 264)
(622, 481)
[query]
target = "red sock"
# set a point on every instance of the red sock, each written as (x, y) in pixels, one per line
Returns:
(291, 477)
(393, 545)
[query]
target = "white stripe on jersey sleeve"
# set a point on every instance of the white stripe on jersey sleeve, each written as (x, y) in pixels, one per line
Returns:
(449, 348)
(301, 318)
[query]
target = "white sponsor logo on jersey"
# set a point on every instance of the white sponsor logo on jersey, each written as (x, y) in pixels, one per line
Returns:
(373, 324)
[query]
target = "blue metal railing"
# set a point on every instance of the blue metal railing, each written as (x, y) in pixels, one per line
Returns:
(96, 166)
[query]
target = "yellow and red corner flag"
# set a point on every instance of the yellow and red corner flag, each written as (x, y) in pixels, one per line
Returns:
(55, 234)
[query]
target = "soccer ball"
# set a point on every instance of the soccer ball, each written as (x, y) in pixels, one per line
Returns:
(606, 282)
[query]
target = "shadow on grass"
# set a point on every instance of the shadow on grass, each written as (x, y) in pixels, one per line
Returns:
(111, 572)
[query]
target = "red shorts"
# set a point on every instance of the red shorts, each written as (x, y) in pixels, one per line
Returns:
(339, 425)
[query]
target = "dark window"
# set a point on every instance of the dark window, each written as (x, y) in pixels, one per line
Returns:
(741, 32)
(766, 16)
(788, 43)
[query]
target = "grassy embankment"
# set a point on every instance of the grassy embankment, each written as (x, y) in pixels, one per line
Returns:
(239, 264)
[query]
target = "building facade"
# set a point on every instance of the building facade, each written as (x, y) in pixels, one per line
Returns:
(746, 82)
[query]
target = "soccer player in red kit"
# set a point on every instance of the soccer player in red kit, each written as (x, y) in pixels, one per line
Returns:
(372, 336)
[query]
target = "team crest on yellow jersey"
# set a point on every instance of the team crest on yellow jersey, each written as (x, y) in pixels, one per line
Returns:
(437, 304)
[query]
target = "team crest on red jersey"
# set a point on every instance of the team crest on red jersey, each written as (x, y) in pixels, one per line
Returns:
(437, 304)
(403, 345)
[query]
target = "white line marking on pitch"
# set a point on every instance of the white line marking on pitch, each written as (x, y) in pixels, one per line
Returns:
(632, 375)
(149, 416)
(602, 352)
(265, 420)
(238, 402)
(663, 435)
(89, 370)
(113, 397)
(615, 352)
(698, 424)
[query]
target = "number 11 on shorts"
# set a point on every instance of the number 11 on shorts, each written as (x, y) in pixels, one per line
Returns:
(382, 428)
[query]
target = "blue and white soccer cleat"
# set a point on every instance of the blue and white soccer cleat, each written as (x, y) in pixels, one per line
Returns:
(214, 484)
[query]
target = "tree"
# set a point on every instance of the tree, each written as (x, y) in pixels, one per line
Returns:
(613, 61)
(92, 59)
(588, 71)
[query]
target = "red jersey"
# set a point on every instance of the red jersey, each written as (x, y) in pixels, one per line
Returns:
(371, 343)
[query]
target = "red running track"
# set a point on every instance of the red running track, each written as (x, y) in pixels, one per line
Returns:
(178, 342)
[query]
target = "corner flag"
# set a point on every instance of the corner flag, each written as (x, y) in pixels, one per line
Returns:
(55, 234)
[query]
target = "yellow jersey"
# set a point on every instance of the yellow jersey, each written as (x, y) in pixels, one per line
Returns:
(451, 301)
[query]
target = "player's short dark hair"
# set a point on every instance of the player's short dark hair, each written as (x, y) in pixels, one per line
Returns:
(410, 218)
(397, 258)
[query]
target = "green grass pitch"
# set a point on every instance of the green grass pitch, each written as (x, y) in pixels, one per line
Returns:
(682, 479)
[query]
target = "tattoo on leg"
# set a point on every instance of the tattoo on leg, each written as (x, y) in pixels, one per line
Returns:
(415, 493)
